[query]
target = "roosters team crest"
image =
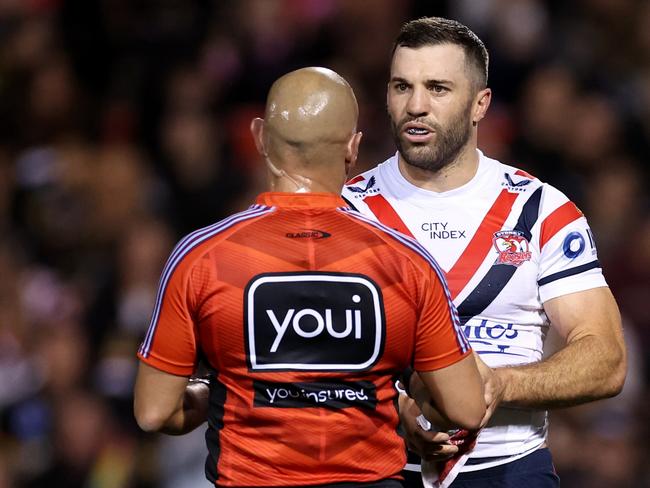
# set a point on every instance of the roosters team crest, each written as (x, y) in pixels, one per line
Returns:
(512, 246)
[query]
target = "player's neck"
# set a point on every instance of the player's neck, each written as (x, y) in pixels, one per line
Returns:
(454, 175)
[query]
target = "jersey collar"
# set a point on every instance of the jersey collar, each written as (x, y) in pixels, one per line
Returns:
(407, 188)
(301, 200)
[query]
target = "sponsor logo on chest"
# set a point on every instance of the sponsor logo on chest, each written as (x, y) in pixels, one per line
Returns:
(442, 230)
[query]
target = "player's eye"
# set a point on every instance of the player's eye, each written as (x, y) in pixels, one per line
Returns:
(401, 87)
(438, 88)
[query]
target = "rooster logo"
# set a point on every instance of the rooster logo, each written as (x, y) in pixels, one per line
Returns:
(512, 246)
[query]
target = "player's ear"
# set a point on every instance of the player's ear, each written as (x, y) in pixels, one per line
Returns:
(481, 105)
(352, 151)
(257, 129)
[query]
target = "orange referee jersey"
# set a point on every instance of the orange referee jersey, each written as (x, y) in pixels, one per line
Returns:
(306, 312)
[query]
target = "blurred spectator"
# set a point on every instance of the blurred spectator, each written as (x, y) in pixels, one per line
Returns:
(124, 125)
(579, 434)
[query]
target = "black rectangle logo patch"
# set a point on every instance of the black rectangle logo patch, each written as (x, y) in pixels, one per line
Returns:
(330, 394)
(313, 322)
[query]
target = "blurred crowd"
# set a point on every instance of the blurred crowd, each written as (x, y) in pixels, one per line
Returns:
(124, 125)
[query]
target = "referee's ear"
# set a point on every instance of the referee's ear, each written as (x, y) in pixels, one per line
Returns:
(352, 151)
(257, 129)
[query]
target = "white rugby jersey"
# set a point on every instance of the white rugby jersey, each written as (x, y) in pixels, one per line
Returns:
(507, 243)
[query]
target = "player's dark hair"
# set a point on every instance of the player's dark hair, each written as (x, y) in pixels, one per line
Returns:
(430, 31)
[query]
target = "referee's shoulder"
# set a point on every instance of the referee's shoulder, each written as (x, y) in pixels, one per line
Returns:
(405, 245)
(218, 231)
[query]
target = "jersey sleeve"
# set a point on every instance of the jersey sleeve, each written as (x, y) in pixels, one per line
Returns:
(439, 341)
(568, 258)
(170, 343)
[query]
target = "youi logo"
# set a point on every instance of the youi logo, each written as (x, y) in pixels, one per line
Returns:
(313, 321)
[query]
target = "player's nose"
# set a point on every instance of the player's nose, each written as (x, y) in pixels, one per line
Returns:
(417, 104)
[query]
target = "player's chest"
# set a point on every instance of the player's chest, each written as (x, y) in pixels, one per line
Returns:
(445, 230)
(473, 234)
(482, 251)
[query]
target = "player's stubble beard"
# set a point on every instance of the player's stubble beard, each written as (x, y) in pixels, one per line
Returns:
(443, 150)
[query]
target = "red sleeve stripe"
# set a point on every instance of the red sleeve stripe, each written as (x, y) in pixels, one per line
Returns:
(386, 214)
(558, 220)
(475, 252)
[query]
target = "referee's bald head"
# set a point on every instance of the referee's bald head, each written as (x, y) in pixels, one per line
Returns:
(311, 105)
(309, 137)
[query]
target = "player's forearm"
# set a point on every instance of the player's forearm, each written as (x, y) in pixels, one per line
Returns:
(586, 369)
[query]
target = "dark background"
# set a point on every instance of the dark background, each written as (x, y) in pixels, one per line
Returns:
(124, 125)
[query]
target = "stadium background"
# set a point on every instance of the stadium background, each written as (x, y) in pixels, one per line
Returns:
(124, 124)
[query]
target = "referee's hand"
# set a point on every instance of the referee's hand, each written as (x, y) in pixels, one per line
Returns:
(430, 445)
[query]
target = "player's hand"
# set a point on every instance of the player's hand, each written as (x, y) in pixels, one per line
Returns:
(493, 388)
(196, 398)
(428, 444)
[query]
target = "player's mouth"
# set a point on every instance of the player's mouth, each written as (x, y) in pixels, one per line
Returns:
(417, 133)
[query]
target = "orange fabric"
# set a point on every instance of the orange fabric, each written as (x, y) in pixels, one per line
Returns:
(301, 200)
(204, 308)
